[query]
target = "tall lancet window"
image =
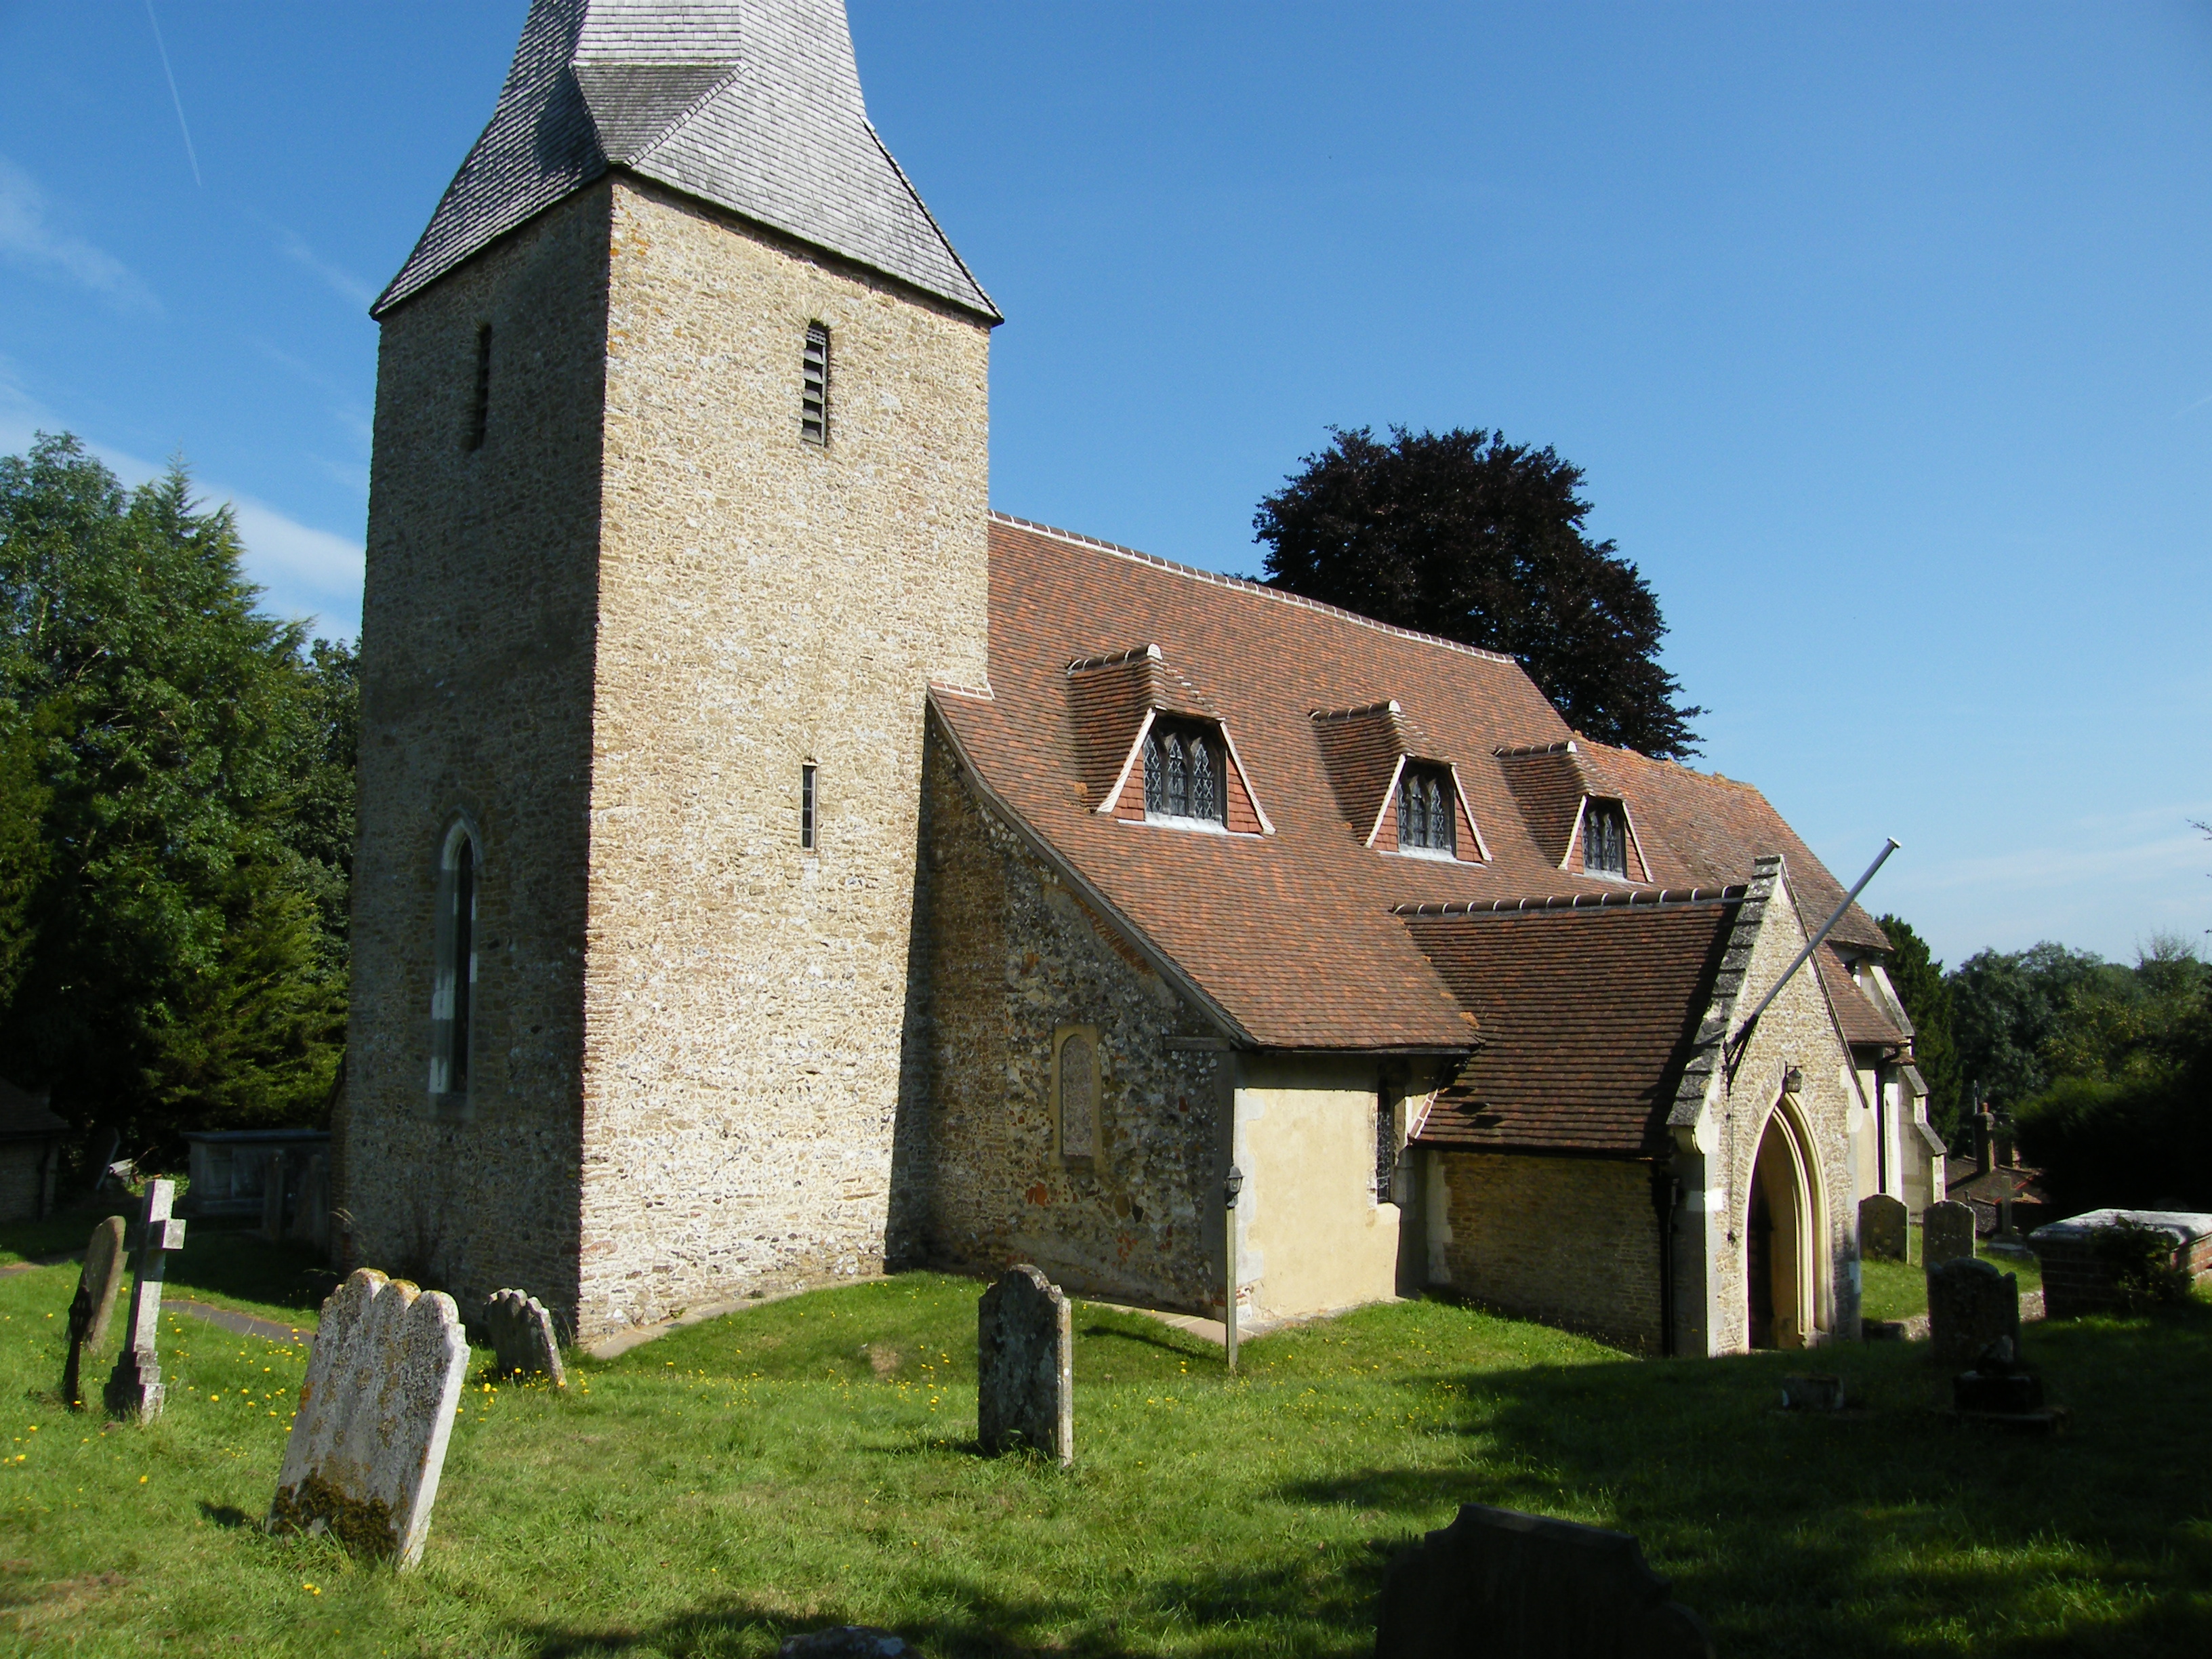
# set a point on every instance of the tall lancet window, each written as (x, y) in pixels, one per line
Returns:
(453, 995)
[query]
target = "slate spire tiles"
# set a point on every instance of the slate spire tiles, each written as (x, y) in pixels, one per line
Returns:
(753, 105)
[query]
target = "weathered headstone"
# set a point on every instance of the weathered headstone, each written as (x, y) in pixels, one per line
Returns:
(1812, 1391)
(368, 1441)
(1947, 1233)
(1971, 1304)
(1024, 1366)
(846, 1642)
(522, 1340)
(1882, 1231)
(311, 1212)
(93, 1305)
(134, 1387)
(1505, 1585)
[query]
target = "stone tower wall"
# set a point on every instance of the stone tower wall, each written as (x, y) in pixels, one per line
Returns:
(476, 650)
(764, 602)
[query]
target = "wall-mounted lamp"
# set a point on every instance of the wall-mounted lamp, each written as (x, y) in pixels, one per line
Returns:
(1792, 1080)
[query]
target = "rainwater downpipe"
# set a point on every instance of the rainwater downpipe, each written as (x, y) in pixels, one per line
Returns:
(1667, 1200)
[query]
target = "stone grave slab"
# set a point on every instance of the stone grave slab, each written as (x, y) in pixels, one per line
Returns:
(1971, 1304)
(1812, 1391)
(1500, 1585)
(1947, 1233)
(368, 1442)
(1025, 1367)
(134, 1387)
(522, 1339)
(2076, 1279)
(1883, 1229)
(93, 1305)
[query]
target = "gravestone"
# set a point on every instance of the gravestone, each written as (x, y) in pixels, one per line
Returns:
(93, 1305)
(1971, 1304)
(311, 1214)
(368, 1441)
(1812, 1391)
(1504, 1585)
(522, 1340)
(1025, 1367)
(134, 1387)
(1882, 1231)
(846, 1642)
(1947, 1233)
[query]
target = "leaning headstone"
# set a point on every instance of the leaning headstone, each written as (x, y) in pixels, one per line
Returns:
(1025, 1367)
(93, 1305)
(368, 1441)
(1500, 1583)
(1947, 1233)
(134, 1387)
(522, 1340)
(1971, 1304)
(1882, 1228)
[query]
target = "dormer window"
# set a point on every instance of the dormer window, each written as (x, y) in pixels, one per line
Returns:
(1426, 822)
(1184, 774)
(1605, 839)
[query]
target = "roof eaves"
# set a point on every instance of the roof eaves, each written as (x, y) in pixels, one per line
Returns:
(1161, 962)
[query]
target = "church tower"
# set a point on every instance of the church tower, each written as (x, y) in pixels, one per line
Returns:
(679, 507)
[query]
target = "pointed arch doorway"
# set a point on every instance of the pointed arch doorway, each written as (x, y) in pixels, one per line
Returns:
(1781, 1257)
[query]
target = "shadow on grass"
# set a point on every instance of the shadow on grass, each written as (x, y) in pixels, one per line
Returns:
(224, 1515)
(1893, 1527)
(1320, 1612)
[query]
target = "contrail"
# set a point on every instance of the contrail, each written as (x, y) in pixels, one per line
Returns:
(190, 154)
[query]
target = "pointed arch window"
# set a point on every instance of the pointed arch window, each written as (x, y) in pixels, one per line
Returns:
(1426, 821)
(452, 997)
(1185, 773)
(1605, 839)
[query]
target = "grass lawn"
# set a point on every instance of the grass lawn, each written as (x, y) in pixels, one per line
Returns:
(1898, 1289)
(809, 1461)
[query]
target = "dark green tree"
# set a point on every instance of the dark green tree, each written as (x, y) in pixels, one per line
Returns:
(179, 966)
(2006, 1006)
(1463, 534)
(1918, 980)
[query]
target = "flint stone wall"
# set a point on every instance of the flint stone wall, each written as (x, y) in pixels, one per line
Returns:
(1012, 954)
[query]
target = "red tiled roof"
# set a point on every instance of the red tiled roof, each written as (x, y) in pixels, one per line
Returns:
(1290, 934)
(1586, 1014)
(1858, 1016)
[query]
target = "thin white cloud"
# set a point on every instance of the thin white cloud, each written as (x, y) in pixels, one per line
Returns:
(2190, 409)
(27, 239)
(341, 281)
(314, 576)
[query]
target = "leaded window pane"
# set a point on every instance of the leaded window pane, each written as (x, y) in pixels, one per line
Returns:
(1178, 777)
(1156, 786)
(1205, 786)
(1605, 841)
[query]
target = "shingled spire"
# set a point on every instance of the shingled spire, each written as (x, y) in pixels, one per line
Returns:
(754, 105)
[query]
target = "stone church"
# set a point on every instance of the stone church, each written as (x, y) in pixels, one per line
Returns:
(775, 865)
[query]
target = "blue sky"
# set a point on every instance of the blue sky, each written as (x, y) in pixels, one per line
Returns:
(1881, 331)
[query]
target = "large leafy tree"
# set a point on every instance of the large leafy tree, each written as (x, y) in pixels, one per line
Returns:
(177, 947)
(1918, 980)
(2007, 1006)
(1463, 534)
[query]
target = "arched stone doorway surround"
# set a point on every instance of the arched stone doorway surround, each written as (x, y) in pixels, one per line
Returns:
(1785, 1235)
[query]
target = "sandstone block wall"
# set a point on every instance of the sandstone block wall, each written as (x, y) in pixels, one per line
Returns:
(1573, 1242)
(477, 634)
(764, 602)
(1013, 954)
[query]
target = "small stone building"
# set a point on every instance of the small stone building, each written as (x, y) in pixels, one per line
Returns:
(775, 865)
(31, 1138)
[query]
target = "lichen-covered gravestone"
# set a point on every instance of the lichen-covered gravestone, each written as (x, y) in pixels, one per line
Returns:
(368, 1442)
(93, 1305)
(1947, 1233)
(1025, 1367)
(1971, 1304)
(1882, 1228)
(134, 1387)
(1504, 1585)
(522, 1340)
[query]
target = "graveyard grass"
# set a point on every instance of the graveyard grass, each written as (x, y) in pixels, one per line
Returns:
(810, 1461)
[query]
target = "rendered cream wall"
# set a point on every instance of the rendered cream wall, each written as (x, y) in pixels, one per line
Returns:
(1311, 1237)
